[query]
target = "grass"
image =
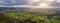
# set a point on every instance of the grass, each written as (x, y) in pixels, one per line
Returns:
(19, 17)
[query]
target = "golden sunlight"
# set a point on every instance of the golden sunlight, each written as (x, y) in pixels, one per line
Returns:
(44, 5)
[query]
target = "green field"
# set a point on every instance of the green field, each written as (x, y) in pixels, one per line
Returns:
(26, 17)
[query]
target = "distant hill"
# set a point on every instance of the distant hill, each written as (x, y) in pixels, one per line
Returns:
(27, 9)
(13, 9)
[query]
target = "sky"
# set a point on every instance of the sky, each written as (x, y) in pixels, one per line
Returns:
(25, 3)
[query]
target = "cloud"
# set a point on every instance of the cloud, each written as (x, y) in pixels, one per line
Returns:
(56, 5)
(13, 2)
(32, 1)
(24, 3)
(58, 1)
